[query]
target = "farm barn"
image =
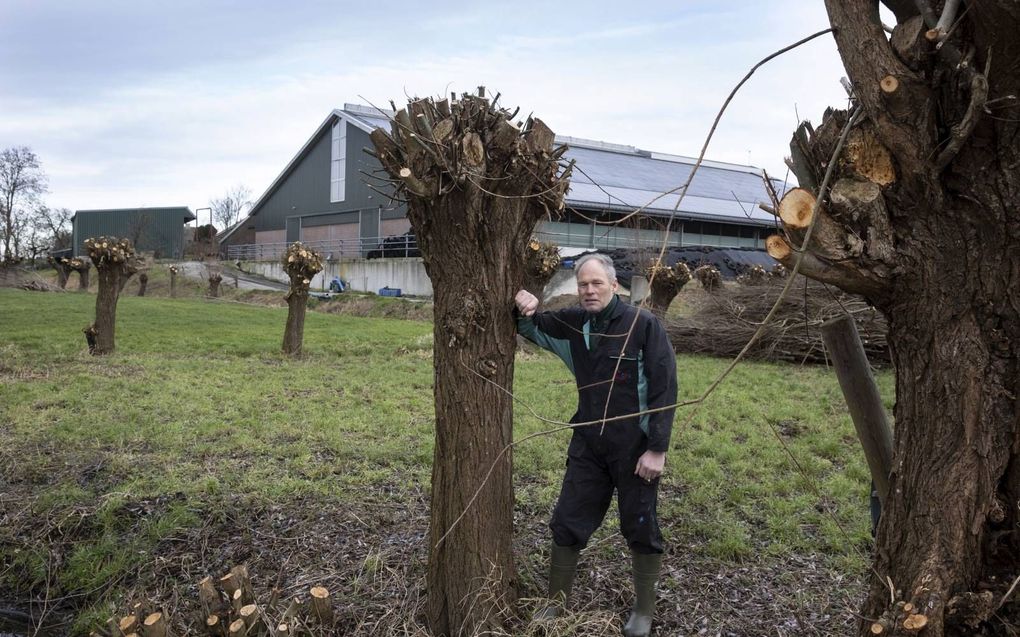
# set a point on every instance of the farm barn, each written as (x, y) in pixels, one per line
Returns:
(159, 230)
(330, 196)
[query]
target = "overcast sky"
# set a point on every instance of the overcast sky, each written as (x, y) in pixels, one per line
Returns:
(142, 103)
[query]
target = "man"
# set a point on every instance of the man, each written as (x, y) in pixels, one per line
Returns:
(624, 365)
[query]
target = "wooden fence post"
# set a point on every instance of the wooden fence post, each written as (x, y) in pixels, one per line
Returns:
(861, 393)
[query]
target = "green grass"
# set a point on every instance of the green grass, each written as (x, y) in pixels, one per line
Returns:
(119, 455)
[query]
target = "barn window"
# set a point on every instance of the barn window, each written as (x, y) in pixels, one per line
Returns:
(338, 162)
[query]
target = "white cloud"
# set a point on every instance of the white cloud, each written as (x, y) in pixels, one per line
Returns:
(183, 136)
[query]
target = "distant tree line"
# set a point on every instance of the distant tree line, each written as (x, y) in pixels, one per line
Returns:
(28, 227)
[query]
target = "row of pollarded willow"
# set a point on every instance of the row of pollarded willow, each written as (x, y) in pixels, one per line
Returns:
(116, 262)
(923, 220)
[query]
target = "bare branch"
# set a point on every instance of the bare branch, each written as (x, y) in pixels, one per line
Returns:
(961, 131)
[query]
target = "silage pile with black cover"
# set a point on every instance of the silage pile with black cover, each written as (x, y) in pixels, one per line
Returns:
(731, 262)
(725, 322)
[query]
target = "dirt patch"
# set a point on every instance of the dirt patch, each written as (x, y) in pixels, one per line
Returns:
(371, 552)
(366, 305)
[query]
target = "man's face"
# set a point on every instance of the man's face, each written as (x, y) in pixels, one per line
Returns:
(594, 287)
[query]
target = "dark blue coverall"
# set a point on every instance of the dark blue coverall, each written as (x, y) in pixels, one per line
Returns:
(615, 375)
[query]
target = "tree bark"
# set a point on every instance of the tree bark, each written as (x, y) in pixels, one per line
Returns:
(941, 259)
(294, 331)
(473, 204)
(143, 280)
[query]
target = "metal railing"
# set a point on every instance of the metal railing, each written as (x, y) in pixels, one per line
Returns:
(609, 241)
(400, 246)
(603, 241)
(407, 246)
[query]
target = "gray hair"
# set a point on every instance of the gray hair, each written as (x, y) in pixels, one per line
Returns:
(603, 260)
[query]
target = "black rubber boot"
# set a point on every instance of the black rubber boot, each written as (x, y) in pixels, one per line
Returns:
(562, 569)
(646, 579)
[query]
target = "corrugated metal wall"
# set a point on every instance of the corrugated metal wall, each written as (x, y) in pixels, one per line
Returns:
(305, 191)
(159, 230)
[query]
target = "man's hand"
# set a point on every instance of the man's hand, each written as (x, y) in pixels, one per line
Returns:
(650, 464)
(526, 302)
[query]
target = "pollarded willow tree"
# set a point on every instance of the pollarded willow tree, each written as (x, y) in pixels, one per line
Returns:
(664, 283)
(60, 264)
(543, 259)
(923, 219)
(114, 260)
(301, 265)
(475, 185)
(81, 266)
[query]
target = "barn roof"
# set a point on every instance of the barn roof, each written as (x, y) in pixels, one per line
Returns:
(623, 178)
(615, 177)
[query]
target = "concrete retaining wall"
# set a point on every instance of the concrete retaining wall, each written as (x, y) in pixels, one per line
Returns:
(408, 274)
(363, 275)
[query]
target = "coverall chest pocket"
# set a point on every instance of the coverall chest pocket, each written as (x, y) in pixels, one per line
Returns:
(623, 365)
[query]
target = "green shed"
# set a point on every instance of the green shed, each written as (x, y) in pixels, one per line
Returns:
(157, 230)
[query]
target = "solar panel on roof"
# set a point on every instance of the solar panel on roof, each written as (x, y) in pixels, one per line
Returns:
(621, 178)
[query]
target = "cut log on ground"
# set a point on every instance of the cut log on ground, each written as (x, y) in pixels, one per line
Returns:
(322, 606)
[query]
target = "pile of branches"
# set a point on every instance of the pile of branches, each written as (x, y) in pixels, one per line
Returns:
(725, 324)
(230, 609)
(36, 285)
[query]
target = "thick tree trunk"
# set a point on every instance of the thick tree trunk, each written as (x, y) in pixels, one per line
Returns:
(214, 285)
(83, 276)
(63, 271)
(924, 220)
(301, 264)
(113, 259)
(294, 331)
(476, 185)
(948, 528)
(472, 571)
(106, 310)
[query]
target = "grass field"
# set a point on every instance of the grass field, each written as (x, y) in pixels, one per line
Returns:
(197, 446)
